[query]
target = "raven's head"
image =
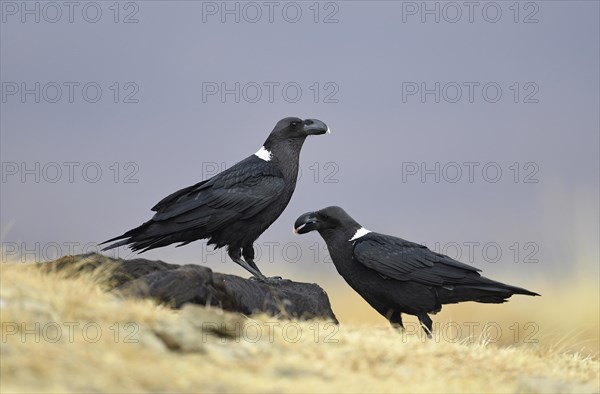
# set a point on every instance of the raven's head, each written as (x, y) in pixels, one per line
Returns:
(296, 128)
(330, 218)
(287, 138)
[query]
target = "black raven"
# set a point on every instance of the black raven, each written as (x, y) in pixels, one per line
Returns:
(396, 276)
(234, 207)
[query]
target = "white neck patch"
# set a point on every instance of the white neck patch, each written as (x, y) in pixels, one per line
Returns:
(359, 233)
(264, 154)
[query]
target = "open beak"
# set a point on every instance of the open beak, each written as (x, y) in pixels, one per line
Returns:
(315, 127)
(306, 223)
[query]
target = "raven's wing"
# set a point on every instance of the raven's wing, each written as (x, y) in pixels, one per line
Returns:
(399, 259)
(239, 192)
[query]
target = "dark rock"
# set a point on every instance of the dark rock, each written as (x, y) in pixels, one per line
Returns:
(177, 285)
(114, 272)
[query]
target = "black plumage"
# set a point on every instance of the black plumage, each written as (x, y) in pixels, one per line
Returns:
(396, 276)
(234, 207)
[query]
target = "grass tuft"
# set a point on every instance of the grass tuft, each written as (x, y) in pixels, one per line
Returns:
(62, 332)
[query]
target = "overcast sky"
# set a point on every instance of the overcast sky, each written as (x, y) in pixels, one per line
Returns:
(471, 128)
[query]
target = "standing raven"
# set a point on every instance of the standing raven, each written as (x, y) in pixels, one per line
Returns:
(396, 276)
(234, 207)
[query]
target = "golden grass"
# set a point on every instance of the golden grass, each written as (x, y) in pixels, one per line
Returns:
(565, 318)
(259, 354)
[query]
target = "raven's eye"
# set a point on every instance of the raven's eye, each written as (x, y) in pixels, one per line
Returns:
(324, 217)
(294, 124)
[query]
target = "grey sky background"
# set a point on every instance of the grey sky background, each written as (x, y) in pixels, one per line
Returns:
(361, 65)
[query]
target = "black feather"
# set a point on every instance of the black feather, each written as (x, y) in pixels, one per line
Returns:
(235, 206)
(397, 276)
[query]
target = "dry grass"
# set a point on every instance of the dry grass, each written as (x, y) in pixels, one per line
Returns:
(564, 319)
(323, 358)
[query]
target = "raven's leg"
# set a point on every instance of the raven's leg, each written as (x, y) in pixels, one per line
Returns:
(236, 256)
(248, 253)
(395, 319)
(426, 323)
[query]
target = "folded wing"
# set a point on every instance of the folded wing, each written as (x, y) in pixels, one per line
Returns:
(403, 260)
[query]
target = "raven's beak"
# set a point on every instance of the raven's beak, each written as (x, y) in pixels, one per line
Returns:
(315, 127)
(306, 223)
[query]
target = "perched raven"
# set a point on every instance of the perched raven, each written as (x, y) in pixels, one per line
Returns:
(396, 276)
(234, 207)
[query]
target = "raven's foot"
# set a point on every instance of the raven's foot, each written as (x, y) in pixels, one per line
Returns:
(426, 324)
(254, 271)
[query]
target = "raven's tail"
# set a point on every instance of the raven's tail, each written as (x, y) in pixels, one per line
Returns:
(137, 239)
(484, 290)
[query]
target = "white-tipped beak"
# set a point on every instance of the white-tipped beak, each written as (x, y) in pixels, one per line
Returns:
(328, 130)
(299, 228)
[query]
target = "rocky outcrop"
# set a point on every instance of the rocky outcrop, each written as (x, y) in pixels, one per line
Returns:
(177, 285)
